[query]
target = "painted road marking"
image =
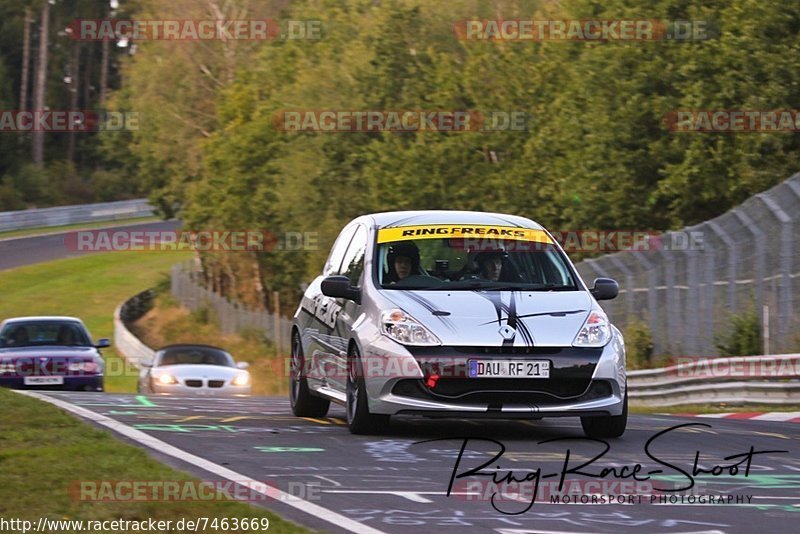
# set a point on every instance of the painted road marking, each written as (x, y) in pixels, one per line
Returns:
(772, 435)
(190, 418)
(264, 448)
(163, 447)
(320, 421)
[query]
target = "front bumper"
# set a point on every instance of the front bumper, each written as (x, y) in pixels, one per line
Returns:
(182, 389)
(583, 382)
(71, 383)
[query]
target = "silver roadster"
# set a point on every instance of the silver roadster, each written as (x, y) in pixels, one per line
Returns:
(456, 314)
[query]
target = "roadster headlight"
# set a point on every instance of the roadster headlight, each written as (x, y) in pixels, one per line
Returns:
(241, 380)
(167, 379)
(404, 329)
(595, 332)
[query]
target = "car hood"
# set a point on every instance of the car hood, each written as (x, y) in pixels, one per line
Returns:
(199, 371)
(47, 351)
(497, 318)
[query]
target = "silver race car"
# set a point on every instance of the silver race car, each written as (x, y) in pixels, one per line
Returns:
(456, 314)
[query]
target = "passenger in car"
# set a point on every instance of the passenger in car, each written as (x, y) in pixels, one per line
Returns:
(491, 264)
(495, 266)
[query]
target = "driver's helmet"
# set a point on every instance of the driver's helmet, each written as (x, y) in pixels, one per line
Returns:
(407, 249)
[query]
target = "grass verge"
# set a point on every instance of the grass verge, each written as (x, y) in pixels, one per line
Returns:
(88, 287)
(43, 450)
(25, 232)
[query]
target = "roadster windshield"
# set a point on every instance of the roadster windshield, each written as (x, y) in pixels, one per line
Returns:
(530, 262)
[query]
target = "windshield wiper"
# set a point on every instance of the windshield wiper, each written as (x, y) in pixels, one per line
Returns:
(464, 284)
(554, 287)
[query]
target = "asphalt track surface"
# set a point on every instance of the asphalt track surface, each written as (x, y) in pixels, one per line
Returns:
(27, 250)
(393, 483)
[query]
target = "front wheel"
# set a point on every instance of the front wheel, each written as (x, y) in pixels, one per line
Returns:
(304, 404)
(607, 426)
(359, 420)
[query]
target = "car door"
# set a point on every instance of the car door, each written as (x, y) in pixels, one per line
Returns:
(347, 311)
(320, 349)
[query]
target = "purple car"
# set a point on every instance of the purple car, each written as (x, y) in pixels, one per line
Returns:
(50, 353)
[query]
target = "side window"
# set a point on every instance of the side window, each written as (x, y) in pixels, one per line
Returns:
(337, 252)
(353, 263)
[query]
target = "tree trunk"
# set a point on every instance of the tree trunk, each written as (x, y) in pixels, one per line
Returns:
(104, 71)
(26, 59)
(41, 83)
(74, 84)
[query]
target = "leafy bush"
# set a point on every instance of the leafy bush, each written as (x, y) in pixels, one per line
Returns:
(744, 338)
(203, 315)
(638, 344)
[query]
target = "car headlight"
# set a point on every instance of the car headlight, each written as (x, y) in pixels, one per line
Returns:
(404, 329)
(166, 379)
(595, 332)
(85, 367)
(241, 380)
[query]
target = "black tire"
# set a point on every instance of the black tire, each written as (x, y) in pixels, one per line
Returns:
(607, 426)
(304, 404)
(359, 420)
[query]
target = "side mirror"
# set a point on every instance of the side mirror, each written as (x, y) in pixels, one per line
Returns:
(103, 343)
(605, 289)
(242, 365)
(148, 363)
(338, 286)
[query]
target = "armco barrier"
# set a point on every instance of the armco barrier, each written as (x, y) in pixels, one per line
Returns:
(83, 213)
(738, 380)
(128, 345)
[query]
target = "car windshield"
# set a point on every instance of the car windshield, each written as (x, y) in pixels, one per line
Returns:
(39, 333)
(471, 257)
(196, 356)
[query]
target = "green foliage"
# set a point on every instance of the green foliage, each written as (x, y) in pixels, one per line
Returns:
(744, 336)
(595, 155)
(203, 315)
(638, 345)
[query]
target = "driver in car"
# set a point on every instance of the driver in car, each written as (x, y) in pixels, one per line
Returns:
(403, 261)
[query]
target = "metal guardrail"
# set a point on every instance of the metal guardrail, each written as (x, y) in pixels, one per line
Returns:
(738, 380)
(127, 345)
(82, 213)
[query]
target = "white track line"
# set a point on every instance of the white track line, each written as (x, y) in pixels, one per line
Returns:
(776, 416)
(165, 448)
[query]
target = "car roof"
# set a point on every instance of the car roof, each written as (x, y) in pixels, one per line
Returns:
(412, 218)
(190, 346)
(33, 318)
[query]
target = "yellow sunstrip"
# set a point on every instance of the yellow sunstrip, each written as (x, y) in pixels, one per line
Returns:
(464, 231)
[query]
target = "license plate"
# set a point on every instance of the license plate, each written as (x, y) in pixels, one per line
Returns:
(43, 380)
(509, 368)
